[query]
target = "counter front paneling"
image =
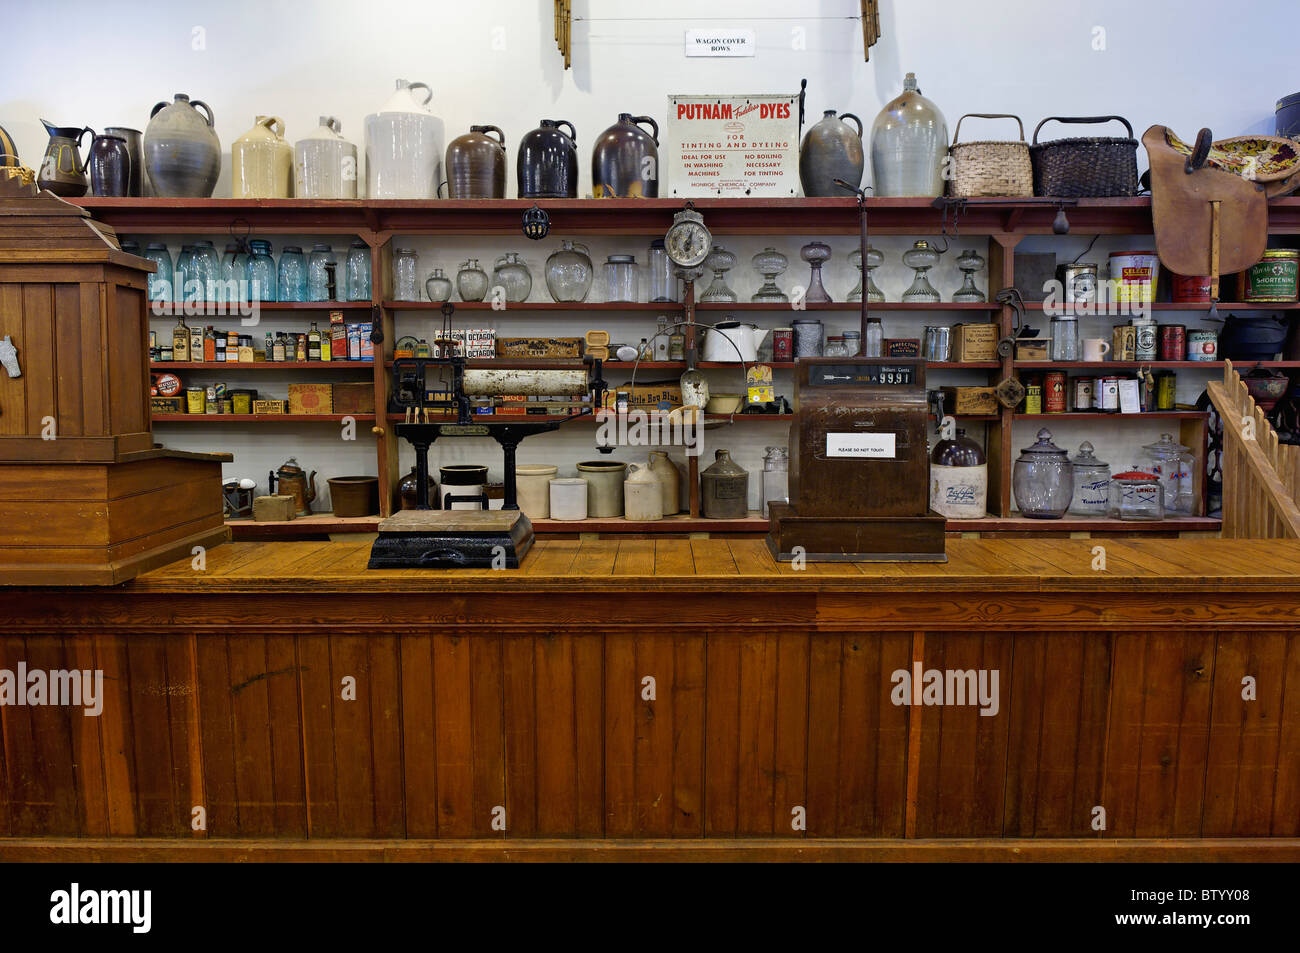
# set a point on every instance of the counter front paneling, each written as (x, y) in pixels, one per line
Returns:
(640, 698)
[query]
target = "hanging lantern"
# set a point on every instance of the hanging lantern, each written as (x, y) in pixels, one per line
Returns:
(537, 224)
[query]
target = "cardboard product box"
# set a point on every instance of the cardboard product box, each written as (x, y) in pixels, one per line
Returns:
(539, 347)
(261, 407)
(354, 397)
(311, 399)
(513, 405)
(167, 405)
(974, 342)
(273, 509)
(901, 347)
(1031, 350)
(661, 395)
(970, 400)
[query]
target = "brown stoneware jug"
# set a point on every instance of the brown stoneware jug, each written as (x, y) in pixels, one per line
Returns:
(625, 160)
(476, 164)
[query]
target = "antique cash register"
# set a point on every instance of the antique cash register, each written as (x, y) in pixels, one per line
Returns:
(859, 465)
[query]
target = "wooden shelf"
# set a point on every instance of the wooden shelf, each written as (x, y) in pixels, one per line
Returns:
(257, 418)
(1175, 306)
(1134, 365)
(212, 309)
(1099, 415)
(436, 306)
(161, 366)
(542, 364)
(853, 306)
(318, 524)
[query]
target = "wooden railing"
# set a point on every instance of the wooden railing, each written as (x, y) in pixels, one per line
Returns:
(1261, 477)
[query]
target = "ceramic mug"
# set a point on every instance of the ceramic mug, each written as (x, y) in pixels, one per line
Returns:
(1095, 349)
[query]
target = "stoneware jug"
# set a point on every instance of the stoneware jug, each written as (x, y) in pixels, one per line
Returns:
(62, 171)
(832, 149)
(182, 154)
(325, 164)
(547, 163)
(625, 160)
(642, 494)
(134, 139)
(110, 166)
(909, 143)
(670, 480)
(261, 161)
(724, 489)
(476, 164)
(404, 146)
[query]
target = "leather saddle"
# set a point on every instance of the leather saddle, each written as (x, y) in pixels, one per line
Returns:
(1209, 201)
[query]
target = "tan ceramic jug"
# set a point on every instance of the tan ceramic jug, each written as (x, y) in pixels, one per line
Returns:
(642, 494)
(670, 480)
(261, 162)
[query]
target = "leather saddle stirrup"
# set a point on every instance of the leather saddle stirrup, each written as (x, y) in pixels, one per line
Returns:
(1207, 221)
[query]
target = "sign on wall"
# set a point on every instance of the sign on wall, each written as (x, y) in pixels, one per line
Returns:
(720, 42)
(732, 145)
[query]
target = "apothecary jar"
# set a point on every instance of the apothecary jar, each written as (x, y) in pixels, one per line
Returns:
(1043, 479)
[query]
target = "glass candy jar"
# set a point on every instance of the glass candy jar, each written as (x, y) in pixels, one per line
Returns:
(719, 261)
(1091, 483)
(1173, 464)
(621, 278)
(293, 274)
(438, 286)
(322, 274)
(1136, 495)
(770, 263)
(260, 272)
(921, 258)
(471, 281)
(405, 266)
(776, 477)
(969, 262)
(569, 272)
(512, 274)
(816, 254)
(358, 269)
(1043, 480)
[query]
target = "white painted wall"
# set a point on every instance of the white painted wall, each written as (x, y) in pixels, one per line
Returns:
(1185, 63)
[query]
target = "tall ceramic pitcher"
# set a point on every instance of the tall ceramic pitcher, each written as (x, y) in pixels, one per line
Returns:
(62, 171)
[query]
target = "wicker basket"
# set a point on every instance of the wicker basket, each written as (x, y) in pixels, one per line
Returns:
(1085, 167)
(991, 168)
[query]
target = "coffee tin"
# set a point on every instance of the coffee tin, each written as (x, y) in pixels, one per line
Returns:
(1144, 345)
(1078, 283)
(1190, 288)
(1202, 346)
(1133, 276)
(783, 344)
(1054, 392)
(1173, 342)
(1124, 343)
(1276, 277)
(1085, 389)
(1108, 394)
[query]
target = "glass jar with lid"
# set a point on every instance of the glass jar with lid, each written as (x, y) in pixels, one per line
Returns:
(1043, 479)
(1065, 338)
(853, 343)
(260, 272)
(959, 476)
(621, 278)
(1091, 483)
(358, 269)
(1136, 495)
(1173, 463)
(160, 282)
(234, 264)
(405, 283)
(322, 274)
(835, 346)
(776, 476)
(874, 345)
(206, 268)
(293, 274)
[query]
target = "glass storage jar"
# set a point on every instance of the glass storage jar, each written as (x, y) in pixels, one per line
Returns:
(808, 337)
(234, 265)
(512, 274)
(405, 266)
(835, 346)
(260, 273)
(621, 278)
(322, 274)
(776, 477)
(438, 286)
(293, 274)
(1065, 338)
(569, 272)
(358, 269)
(160, 282)
(1173, 463)
(1042, 480)
(874, 345)
(1091, 483)
(206, 269)
(184, 275)
(853, 342)
(1136, 495)
(663, 283)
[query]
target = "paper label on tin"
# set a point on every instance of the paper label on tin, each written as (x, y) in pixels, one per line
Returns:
(866, 446)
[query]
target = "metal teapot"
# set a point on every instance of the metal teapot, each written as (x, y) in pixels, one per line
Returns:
(62, 171)
(292, 480)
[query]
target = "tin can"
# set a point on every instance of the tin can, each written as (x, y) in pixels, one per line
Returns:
(1173, 342)
(165, 353)
(1078, 283)
(1133, 276)
(1144, 344)
(227, 406)
(1276, 277)
(1108, 394)
(1189, 288)
(783, 344)
(1054, 392)
(1085, 389)
(220, 390)
(210, 401)
(1202, 346)
(195, 400)
(153, 340)
(1124, 343)
(241, 402)
(1033, 399)
(1166, 390)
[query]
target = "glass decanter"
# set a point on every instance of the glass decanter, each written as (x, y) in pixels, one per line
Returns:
(770, 263)
(815, 253)
(719, 261)
(921, 258)
(970, 262)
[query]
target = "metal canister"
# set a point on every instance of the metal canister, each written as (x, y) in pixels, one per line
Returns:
(210, 401)
(1054, 392)
(1202, 345)
(1085, 389)
(783, 344)
(1033, 398)
(1108, 394)
(241, 401)
(1276, 277)
(808, 337)
(937, 343)
(1124, 343)
(1166, 390)
(1144, 345)
(1078, 283)
(195, 400)
(1173, 342)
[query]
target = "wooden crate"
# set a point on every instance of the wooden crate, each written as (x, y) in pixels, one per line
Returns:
(354, 397)
(311, 399)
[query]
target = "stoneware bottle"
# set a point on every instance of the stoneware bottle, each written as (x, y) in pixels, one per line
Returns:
(909, 143)
(261, 161)
(325, 164)
(832, 149)
(724, 489)
(670, 480)
(625, 160)
(643, 497)
(476, 164)
(182, 154)
(547, 163)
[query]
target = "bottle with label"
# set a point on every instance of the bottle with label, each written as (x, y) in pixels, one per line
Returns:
(196, 343)
(278, 353)
(643, 350)
(209, 344)
(300, 349)
(180, 341)
(661, 339)
(269, 349)
(959, 480)
(219, 347)
(313, 343)
(232, 347)
(677, 345)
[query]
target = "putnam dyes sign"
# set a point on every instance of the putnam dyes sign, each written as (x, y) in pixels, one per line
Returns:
(732, 145)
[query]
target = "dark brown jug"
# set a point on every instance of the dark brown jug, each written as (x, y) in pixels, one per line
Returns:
(110, 166)
(62, 171)
(548, 162)
(476, 164)
(625, 160)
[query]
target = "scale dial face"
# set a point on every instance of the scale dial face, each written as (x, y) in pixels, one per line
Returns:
(688, 242)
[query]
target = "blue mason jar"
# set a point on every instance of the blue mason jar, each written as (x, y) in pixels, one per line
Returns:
(184, 275)
(293, 274)
(206, 269)
(160, 282)
(234, 270)
(358, 269)
(260, 273)
(322, 269)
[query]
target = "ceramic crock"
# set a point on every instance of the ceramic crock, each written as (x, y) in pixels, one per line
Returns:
(182, 153)
(642, 494)
(261, 161)
(476, 164)
(533, 489)
(670, 480)
(625, 160)
(109, 163)
(325, 164)
(724, 489)
(134, 139)
(404, 146)
(604, 487)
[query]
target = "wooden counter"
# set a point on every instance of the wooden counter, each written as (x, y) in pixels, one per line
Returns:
(523, 695)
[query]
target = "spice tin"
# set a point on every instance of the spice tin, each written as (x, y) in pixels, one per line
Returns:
(195, 400)
(1033, 399)
(1108, 394)
(1188, 288)
(1054, 392)
(1166, 390)
(1085, 389)
(1173, 342)
(1276, 277)
(783, 344)
(227, 406)
(1202, 346)
(1124, 343)
(1144, 344)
